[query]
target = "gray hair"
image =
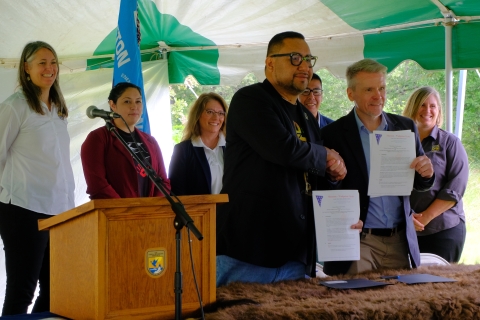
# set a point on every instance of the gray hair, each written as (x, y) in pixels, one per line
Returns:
(365, 65)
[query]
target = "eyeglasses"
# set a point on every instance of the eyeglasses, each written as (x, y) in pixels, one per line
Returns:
(296, 58)
(316, 92)
(210, 113)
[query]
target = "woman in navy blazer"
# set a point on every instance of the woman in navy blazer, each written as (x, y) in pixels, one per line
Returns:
(197, 162)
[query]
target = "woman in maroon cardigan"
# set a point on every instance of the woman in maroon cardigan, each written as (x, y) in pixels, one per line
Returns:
(110, 171)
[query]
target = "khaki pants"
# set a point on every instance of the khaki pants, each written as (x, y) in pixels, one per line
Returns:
(382, 252)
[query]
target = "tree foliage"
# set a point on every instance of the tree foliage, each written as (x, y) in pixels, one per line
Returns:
(183, 96)
(401, 82)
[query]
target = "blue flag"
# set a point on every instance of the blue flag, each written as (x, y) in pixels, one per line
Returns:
(128, 62)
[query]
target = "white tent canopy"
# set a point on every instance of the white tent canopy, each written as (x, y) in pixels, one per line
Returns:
(219, 42)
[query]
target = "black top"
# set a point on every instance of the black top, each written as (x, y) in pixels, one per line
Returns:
(267, 221)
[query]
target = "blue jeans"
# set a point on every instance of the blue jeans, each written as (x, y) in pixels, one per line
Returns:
(232, 270)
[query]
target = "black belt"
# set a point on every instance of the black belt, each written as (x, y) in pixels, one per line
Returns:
(384, 232)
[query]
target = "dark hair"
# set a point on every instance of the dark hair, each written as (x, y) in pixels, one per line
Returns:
(31, 91)
(277, 41)
(317, 77)
(119, 89)
(192, 128)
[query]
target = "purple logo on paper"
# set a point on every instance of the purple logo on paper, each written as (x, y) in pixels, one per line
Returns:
(319, 199)
(378, 136)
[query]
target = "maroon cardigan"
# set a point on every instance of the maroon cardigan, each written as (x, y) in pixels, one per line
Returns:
(109, 168)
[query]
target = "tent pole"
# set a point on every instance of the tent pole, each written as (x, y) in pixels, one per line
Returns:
(462, 84)
(448, 77)
(449, 22)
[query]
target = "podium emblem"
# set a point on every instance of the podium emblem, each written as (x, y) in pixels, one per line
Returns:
(155, 262)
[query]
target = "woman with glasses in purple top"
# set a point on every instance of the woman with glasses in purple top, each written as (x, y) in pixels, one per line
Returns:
(439, 218)
(197, 162)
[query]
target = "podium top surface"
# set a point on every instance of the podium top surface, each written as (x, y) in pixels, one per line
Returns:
(127, 202)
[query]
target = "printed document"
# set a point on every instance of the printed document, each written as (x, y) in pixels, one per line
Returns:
(391, 153)
(335, 211)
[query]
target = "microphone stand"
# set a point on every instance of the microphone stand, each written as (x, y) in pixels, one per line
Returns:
(181, 219)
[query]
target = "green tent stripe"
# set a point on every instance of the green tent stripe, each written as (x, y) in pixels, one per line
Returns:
(197, 63)
(155, 27)
(463, 8)
(368, 14)
(391, 48)
(466, 48)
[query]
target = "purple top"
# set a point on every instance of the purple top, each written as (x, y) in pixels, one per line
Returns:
(450, 164)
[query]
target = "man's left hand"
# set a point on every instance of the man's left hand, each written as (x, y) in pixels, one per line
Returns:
(423, 166)
(358, 226)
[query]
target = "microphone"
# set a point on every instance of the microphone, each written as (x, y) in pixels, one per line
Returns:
(93, 112)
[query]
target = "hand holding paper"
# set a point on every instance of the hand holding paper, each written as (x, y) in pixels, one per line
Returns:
(391, 156)
(337, 225)
(423, 166)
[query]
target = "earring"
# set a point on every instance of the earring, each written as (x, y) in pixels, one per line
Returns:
(28, 78)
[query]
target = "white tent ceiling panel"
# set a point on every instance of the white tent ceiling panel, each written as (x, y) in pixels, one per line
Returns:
(73, 28)
(254, 21)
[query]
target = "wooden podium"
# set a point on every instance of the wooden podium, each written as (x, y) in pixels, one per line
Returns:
(101, 256)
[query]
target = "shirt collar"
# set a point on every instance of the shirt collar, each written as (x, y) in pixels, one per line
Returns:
(434, 133)
(42, 104)
(197, 141)
(383, 125)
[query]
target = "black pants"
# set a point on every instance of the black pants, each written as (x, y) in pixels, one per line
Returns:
(27, 259)
(447, 244)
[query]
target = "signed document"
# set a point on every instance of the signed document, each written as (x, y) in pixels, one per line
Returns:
(335, 211)
(391, 153)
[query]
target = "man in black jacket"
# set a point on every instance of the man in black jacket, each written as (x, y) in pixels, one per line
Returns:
(273, 156)
(388, 238)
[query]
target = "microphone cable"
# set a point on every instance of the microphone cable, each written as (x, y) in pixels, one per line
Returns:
(192, 264)
(194, 275)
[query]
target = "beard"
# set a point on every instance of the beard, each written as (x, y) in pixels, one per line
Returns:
(293, 86)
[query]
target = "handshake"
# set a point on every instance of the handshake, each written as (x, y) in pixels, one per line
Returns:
(336, 168)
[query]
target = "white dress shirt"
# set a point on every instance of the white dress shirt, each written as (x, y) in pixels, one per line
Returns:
(35, 169)
(215, 161)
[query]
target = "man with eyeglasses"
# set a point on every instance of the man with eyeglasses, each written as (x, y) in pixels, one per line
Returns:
(273, 159)
(312, 97)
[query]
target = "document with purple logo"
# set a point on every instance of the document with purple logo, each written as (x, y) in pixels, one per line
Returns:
(335, 211)
(391, 153)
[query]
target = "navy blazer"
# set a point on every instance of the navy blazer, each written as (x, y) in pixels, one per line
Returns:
(343, 136)
(189, 171)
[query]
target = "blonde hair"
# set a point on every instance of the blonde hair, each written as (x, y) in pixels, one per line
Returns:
(192, 127)
(365, 65)
(417, 98)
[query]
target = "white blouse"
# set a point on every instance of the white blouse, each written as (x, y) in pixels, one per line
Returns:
(35, 169)
(215, 161)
